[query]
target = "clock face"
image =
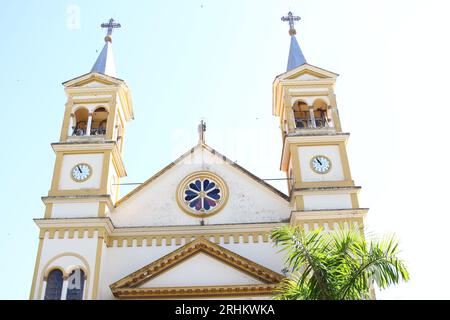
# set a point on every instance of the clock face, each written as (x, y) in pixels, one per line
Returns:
(81, 172)
(320, 164)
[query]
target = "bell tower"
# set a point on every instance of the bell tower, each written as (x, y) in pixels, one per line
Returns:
(89, 163)
(314, 155)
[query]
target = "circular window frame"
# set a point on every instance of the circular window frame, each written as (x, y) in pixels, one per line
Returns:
(201, 175)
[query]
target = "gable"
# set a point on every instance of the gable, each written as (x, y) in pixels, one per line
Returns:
(203, 270)
(306, 75)
(155, 203)
(199, 268)
(92, 79)
(307, 72)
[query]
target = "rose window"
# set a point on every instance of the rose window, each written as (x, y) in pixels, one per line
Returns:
(202, 194)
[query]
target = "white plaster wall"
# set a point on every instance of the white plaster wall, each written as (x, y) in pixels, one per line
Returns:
(69, 248)
(156, 205)
(327, 201)
(305, 154)
(120, 262)
(307, 76)
(95, 160)
(201, 270)
(75, 210)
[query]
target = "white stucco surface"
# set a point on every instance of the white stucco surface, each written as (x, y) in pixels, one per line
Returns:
(75, 209)
(155, 205)
(305, 155)
(327, 201)
(95, 160)
(65, 254)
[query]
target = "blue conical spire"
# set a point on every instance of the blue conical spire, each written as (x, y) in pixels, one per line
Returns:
(105, 61)
(296, 57)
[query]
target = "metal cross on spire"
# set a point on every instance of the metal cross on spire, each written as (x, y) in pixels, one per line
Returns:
(291, 18)
(110, 25)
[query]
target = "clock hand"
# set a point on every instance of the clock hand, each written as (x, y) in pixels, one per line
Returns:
(319, 161)
(79, 169)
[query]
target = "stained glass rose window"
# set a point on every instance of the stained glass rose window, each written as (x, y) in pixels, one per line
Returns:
(202, 194)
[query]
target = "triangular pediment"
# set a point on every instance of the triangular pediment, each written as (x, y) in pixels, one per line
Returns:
(246, 198)
(307, 72)
(198, 269)
(214, 153)
(93, 79)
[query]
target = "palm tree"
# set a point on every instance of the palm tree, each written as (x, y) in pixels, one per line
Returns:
(338, 265)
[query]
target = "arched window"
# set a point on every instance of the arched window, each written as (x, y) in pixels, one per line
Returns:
(54, 285)
(99, 121)
(81, 120)
(75, 285)
(301, 114)
(320, 113)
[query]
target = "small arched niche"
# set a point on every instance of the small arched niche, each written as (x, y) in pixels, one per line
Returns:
(99, 121)
(320, 108)
(81, 116)
(301, 114)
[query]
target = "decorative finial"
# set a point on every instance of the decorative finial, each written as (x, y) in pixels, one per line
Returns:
(291, 18)
(201, 131)
(110, 25)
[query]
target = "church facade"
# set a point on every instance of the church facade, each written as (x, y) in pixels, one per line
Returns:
(200, 227)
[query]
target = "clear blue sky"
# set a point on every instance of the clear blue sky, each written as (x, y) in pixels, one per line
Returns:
(185, 60)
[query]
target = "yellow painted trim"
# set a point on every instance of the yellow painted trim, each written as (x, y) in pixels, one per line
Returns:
(66, 120)
(170, 239)
(57, 171)
(48, 210)
(224, 291)
(299, 202)
(335, 114)
(111, 118)
(295, 164)
(316, 184)
(105, 173)
(102, 209)
(344, 161)
(98, 258)
(94, 100)
(74, 192)
(355, 202)
(295, 94)
(36, 268)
